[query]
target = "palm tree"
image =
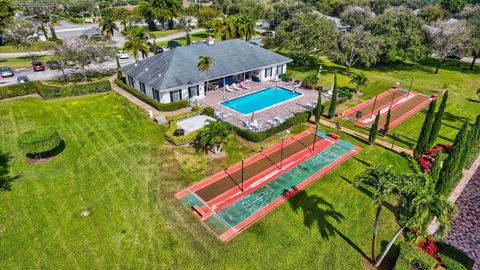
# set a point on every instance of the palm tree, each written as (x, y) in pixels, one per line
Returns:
(421, 204)
(384, 183)
(359, 79)
(204, 64)
(215, 135)
(108, 26)
(246, 27)
(136, 44)
(226, 27)
(187, 28)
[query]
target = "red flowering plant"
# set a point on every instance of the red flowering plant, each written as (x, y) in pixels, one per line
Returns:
(428, 245)
(427, 160)
(426, 163)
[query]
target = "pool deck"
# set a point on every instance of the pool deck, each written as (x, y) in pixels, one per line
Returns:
(283, 110)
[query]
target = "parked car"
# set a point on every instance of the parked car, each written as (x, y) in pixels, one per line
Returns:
(6, 72)
(267, 34)
(121, 54)
(53, 64)
(455, 55)
(173, 44)
(23, 79)
(159, 49)
(38, 66)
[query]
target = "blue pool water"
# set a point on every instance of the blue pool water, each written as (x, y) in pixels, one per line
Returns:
(260, 100)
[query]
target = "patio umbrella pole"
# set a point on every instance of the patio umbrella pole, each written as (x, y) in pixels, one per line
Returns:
(243, 159)
(315, 137)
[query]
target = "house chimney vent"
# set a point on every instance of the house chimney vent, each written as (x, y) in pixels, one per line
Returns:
(210, 40)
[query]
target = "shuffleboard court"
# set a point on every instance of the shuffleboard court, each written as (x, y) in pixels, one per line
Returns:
(228, 216)
(404, 104)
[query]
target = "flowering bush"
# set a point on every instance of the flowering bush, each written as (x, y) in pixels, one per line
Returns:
(428, 245)
(426, 163)
(445, 149)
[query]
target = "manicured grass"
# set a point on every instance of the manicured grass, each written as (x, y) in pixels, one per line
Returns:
(22, 62)
(454, 76)
(164, 33)
(116, 165)
(37, 46)
(200, 36)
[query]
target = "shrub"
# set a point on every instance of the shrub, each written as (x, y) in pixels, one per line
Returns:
(38, 141)
(52, 91)
(411, 256)
(254, 136)
(16, 90)
(209, 111)
(310, 81)
(428, 245)
(180, 140)
(453, 258)
(451, 264)
(172, 106)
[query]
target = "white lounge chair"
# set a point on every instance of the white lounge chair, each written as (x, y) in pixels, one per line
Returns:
(229, 89)
(279, 120)
(254, 124)
(235, 87)
(272, 122)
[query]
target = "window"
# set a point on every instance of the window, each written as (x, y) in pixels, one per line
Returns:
(142, 88)
(193, 91)
(156, 94)
(131, 82)
(279, 69)
(268, 72)
(175, 95)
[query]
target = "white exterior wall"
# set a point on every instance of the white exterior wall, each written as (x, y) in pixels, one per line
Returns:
(263, 76)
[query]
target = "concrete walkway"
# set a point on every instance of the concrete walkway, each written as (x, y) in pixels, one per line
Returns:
(364, 137)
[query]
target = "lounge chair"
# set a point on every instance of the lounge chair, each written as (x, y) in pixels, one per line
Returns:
(254, 124)
(229, 89)
(297, 84)
(235, 87)
(272, 122)
(243, 85)
(279, 120)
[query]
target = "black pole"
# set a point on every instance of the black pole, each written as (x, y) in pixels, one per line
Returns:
(393, 98)
(281, 156)
(315, 137)
(410, 87)
(242, 174)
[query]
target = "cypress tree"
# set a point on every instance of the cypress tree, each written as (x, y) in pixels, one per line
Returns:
(422, 143)
(386, 128)
(333, 104)
(373, 130)
(449, 173)
(437, 123)
(470, 143)
(52, 32)
(319, 108)
(437, 166)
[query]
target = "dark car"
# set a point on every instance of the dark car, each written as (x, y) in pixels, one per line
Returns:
(6, 72)
(454, 55)
(173, 44)
(267, 34)
(38, 66)
(23, 79)
(53, 64)
(159, 49)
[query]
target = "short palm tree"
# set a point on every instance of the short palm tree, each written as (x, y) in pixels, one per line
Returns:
(384, 183)
(204, 64)
(214, 136)
(359, 79)
(246, 27)
(136, 44)
(226, 27)
(421, 204)
(108, 26)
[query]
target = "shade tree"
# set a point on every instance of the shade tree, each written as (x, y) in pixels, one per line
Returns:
(357, 16)
(472, 15)
(22, 33)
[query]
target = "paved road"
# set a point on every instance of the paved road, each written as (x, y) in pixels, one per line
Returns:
(52, 74)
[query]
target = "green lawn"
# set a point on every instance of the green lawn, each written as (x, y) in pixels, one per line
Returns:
(164, 33)
(37, 46)
(22, 62)
(200, 36)
(116, 165)
(454, 76)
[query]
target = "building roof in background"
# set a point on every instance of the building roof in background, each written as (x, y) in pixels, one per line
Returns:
(177, 67)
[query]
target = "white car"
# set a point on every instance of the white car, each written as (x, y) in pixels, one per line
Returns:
(122, 54)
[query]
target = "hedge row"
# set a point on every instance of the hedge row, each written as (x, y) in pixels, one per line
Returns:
(180, 140)
(413, 257)
(165, 107)
(259, 136)
(51, 91)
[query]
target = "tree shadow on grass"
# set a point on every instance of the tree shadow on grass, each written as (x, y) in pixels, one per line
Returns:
(391, 257)
(318, 212)
(473, 100)
(49, 154)
(448, 116)
(5, 178)
(367, 192)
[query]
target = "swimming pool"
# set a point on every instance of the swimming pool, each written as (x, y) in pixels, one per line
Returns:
(260, 100)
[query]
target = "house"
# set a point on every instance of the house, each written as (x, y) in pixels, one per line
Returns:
(173, 75)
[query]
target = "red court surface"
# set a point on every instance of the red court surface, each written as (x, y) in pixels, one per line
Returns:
(233, 209)
(402, 104)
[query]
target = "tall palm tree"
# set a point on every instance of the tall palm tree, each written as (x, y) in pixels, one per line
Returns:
(384, 183)
(226, 27)
(246, 27)
(215, 135)
(136, 44)
(359, 79)
(204, 64)
(421, 204)
(108, 26)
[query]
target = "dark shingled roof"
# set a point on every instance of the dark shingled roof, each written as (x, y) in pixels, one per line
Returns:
(179, 66)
